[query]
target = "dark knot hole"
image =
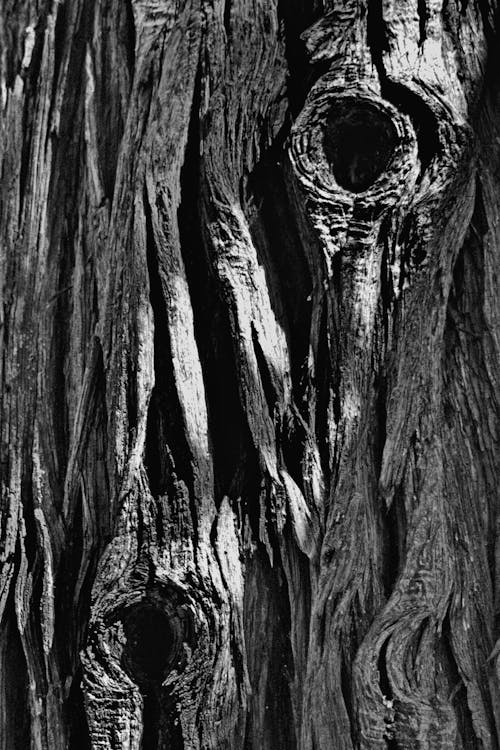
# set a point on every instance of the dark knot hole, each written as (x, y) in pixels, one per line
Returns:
(147, 657)
(358, 141)
(150, 643)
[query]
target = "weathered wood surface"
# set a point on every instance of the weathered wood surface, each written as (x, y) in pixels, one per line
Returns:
(250, 371)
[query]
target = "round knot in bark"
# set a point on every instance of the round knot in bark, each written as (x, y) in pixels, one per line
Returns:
(150, 643)
(350, 148)
(358, 141)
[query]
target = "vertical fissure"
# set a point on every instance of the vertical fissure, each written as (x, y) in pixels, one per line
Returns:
(231, 444)
(458, 689)
(29, 110)
(15, 730)
(422, 118)
(326, 385)
(79, 738)
(270, 660)
(264, 372)
(276, 237)
(227, 17)
(167, 453)
(377, 37)
(422, 20)
(296, 17)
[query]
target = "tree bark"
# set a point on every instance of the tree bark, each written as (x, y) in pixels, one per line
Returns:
(250, 373)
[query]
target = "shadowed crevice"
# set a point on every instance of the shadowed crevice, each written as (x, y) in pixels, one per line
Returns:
(359, 140)
(458, 690)
(231, 444)
(423, 119)
(266, 610)
(167, 451)
(78, 727)
(297, 16)
(227, 17)
(393, 532)
(264, 372)
(422, 21)
(154, 632)
(277, 240)
(327, 386)
(377, 36)
(146, 658)
(115, 62)
(15, 683)
(380, 426)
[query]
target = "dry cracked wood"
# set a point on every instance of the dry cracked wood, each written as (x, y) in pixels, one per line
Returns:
(250, 349)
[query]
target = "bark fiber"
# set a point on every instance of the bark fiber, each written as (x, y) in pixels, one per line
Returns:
(250, 375)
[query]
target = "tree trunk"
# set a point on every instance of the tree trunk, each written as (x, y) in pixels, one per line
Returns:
(250, 374)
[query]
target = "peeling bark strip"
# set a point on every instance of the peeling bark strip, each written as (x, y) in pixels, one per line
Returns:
(250, 375)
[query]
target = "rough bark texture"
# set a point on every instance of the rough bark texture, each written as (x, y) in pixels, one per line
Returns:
(250, 373)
